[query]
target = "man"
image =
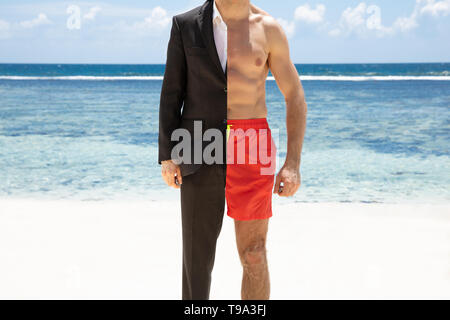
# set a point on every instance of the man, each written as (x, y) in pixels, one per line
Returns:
(218, 58)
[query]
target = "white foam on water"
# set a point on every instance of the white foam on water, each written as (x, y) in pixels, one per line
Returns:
(304, 78)
(88, 78)
(371, 78)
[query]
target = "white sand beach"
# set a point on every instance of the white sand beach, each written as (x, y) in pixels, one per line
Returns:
(132, 250)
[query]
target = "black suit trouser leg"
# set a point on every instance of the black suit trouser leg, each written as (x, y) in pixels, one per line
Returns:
(202, 210)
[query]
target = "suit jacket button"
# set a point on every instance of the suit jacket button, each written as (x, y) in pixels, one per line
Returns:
(225, 90)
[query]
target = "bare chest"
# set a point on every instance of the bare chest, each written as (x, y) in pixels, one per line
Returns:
(246, 46)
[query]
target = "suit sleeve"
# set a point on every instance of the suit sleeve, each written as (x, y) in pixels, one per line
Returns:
(172, 93)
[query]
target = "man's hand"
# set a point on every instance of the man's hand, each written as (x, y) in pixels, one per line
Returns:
(287, 181)
(171, 174)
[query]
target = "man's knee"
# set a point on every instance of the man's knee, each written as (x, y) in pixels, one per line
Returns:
(254, 254)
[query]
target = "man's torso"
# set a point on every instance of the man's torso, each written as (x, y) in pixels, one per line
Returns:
(248, 53)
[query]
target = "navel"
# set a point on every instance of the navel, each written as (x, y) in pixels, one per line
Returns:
(258, 62)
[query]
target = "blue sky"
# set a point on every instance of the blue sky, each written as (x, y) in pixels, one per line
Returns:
(136, 31)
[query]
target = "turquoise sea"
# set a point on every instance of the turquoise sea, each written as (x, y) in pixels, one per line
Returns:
(376, 132)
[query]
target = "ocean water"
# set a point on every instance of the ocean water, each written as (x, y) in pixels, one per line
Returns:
(375, 132)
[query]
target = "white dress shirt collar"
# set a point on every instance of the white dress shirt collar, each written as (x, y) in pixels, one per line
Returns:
(220, 36)
(217, 17)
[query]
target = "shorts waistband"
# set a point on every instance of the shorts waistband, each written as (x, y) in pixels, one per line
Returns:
(260, 123)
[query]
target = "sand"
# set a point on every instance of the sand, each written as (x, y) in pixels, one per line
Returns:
(71, 249)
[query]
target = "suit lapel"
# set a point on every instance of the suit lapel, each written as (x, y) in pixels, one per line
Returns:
(206, 28)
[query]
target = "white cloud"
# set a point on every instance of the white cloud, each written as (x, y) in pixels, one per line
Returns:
(154, 25)
(422, 7)
(288, 27)
(40, 20)
(158, 18)
(335, 32)
(435, 8)
(405, 24)
(306, 14)
(4, 29)
(353, 19)
(360, 20)
(92, 13)
(373, 22)
(364, 20)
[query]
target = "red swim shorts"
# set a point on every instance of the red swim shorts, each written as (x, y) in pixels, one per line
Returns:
(251, 164)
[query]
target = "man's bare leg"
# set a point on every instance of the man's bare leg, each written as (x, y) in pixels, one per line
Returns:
(251, 244)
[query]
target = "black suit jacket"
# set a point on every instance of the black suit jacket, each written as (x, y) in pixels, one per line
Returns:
(194, 85)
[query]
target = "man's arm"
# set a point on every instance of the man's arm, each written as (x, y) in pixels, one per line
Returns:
(296, 109)
(171, 103)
